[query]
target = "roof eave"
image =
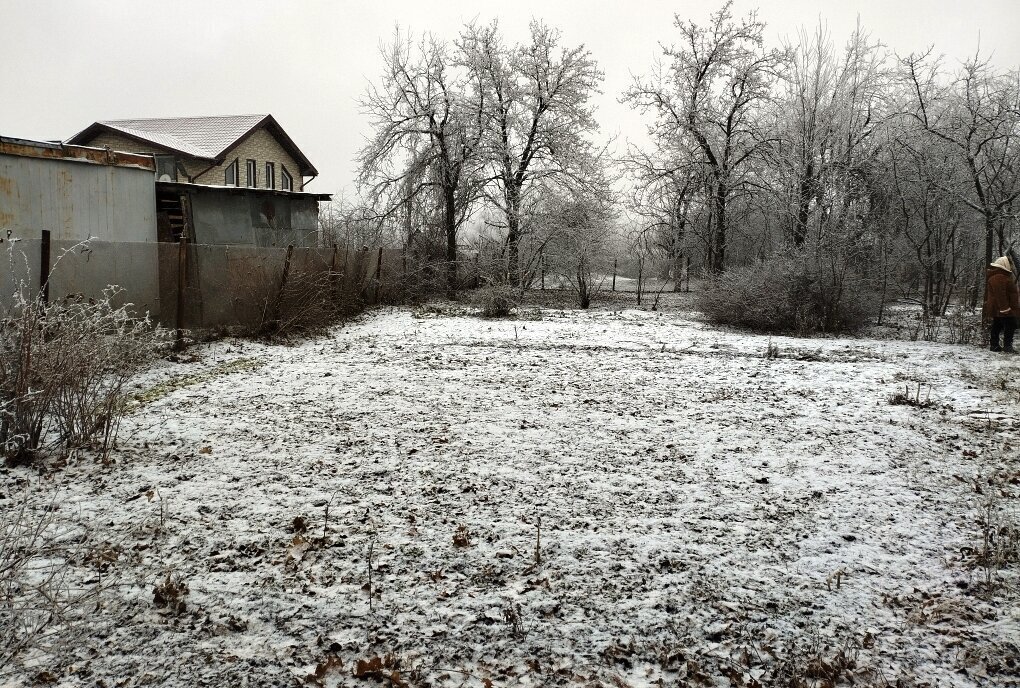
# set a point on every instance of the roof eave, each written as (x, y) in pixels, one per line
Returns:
(243, 190)
(96, 128)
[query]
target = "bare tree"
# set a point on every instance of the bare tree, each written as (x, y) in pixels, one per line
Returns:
(537, 118)
(581, 227)
(428, 125)
(343, 222)
(828, 120)
(667, 195)
(931, 221)
(709, 98)
(978, 116)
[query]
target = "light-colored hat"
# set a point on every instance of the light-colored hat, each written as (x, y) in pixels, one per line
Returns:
(1003, 263)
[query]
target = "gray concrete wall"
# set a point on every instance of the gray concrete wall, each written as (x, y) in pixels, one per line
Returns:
(19, 270)
(76, 200)
(88, 268)
(236, 286)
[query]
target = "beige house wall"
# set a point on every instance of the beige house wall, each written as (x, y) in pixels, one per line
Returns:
(261, 147)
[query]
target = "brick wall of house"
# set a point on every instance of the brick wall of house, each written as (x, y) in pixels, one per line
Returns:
(261, 147)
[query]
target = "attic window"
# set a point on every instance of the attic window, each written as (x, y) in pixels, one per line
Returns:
(270, 176)
(286, 181)
(230, 174)
(252, 171)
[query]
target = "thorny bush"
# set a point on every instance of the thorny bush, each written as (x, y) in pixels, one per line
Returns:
(63, 369)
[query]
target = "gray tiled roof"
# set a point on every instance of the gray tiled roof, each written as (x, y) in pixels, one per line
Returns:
(202, 137)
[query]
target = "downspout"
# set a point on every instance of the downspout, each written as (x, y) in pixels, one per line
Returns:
(310, 179)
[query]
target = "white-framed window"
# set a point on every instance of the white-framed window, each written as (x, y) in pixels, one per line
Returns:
(252, 170)
(270, 175)
(230, 174)
(286, 181)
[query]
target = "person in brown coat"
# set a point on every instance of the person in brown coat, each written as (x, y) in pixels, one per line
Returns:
(1002, 304)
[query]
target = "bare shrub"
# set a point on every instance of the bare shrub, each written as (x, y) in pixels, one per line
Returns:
(788, 294)
(313, 301)
(997, 544)
(24, 402)
(963, 325)
(40, 604)
(92, 349)
(514, 619)
(63, 366)
(499, 300)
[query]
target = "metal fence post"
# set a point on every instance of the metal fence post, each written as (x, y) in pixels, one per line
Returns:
(44, 267)
(182, 283)
(283, 283)
(640, 275)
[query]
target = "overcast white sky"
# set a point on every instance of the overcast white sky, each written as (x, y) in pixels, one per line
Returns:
(66, 64)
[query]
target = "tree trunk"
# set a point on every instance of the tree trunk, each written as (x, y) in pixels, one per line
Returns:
(513, 236)
(989, 238)
(719, 231)
(677, 244)
(450, 226)
(803, 207)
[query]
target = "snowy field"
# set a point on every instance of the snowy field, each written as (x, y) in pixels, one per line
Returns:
(611, 498)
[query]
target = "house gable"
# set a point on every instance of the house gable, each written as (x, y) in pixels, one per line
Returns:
(262, 147)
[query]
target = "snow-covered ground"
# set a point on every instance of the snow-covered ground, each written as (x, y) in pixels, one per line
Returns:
(617, 498)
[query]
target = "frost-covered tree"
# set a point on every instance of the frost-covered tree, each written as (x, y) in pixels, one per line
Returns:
(667, 192)
(580, 233)
(427, 122)
(827, 124)
(537, 117)
(976, 115)
(709, 96)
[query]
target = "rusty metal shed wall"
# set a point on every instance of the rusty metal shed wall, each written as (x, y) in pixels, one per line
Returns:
(76, 200)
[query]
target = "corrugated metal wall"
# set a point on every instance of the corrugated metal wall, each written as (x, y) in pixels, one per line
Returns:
(111, 206)
(254, 220)
(82, 268)
(76, 200)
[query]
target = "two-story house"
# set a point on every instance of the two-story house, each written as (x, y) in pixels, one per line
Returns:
(236, 180)
(237, 150)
